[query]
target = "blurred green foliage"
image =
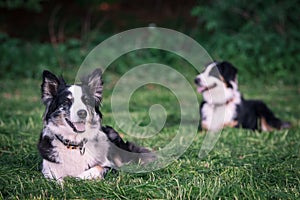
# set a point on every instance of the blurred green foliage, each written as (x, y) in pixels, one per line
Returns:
(19, 58)
(259, 37)
(32, 5)
(36, 5)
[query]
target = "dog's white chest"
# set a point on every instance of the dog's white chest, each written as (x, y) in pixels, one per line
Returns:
(73, 162)
(216, 117)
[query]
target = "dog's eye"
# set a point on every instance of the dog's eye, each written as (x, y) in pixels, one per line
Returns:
(67, 101)
(85, 99)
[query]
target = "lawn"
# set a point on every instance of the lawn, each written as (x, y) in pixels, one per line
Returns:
(243, 164)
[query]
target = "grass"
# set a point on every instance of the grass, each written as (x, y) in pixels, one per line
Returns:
(243, 164)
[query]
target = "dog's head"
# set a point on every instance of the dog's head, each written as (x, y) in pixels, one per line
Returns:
(218, 82)
(72, 108)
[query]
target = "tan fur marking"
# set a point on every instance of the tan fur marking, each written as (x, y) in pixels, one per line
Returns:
(265, 126)
(204, 126)
(99, 168)
(231, 124)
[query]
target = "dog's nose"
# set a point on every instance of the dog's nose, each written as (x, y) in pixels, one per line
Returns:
(197, 81)
(82, 114)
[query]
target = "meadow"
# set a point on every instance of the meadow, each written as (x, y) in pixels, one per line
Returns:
(261, 38)
(243, 164)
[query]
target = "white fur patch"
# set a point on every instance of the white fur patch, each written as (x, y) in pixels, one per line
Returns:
(73, 163)
(77, 103)
(215, 117)
(218, 94)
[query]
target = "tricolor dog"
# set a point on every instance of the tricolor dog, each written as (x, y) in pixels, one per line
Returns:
(73, 141)
(224, 106)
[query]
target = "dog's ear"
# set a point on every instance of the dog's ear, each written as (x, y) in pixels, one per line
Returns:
(50, 86)
(228, 71)
(95, 85)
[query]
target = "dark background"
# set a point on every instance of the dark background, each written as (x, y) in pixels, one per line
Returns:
(261, 38)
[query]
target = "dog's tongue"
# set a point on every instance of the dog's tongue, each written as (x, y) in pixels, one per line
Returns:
(80, 126)
(200, 89)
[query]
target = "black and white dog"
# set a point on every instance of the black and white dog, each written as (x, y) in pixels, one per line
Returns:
(73, 141)
(224, 106)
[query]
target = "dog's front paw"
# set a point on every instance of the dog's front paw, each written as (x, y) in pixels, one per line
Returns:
(285, 125)
(96, 172)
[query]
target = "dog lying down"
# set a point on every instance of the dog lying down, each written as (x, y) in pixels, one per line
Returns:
(73, 141)
(224, 106)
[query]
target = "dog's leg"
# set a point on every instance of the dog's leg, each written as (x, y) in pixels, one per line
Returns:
(115, 138)
(268, 120)
(126, 152)
(46, 149)
(96, 172)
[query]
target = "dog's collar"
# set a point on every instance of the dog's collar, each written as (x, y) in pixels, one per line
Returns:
(223, 104)
(73, 145)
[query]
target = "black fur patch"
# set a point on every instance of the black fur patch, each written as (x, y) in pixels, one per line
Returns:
(227, 71)
(46, 149)
(115, 138)
(54, 95)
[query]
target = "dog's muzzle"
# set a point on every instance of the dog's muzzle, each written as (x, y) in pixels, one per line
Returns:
(78, 127)
(201, 88)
